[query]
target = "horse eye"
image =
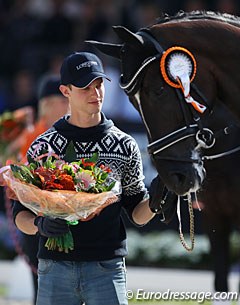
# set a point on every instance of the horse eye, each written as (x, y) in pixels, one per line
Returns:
(161, 90)
(153, 92)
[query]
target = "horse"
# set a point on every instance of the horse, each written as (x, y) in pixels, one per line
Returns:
(180, 73)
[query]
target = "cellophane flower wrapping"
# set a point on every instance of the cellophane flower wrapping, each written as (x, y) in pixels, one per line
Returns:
(68, 205)
(72, 191)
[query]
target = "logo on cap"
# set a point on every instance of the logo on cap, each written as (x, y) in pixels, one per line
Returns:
(87, 64)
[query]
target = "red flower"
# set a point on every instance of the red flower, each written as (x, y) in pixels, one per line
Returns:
(105, 168)
(54, 179)
(87, 164)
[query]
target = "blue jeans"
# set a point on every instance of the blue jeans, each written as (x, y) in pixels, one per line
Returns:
(76, 283)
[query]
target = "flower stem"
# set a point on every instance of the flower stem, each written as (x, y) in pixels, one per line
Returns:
(62, 243)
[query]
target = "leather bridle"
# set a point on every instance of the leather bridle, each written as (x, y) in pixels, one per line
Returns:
(204, 136)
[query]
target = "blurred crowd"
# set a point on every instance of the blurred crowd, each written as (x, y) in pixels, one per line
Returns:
(37, 34)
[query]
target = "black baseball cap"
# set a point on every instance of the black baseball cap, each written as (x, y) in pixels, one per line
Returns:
(81, 69)
(49, 85)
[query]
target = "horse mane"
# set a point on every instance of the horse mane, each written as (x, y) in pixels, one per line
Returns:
(199, 15)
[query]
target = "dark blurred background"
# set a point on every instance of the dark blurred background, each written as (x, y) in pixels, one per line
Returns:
(35, 36)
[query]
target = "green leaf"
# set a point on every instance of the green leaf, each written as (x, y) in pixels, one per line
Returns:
(110, 186)
(32, 166)
(23, 173)
(27, 171)
(103, 176)
(49, 163)
(17, 172)
(94, 158)
(70, 155)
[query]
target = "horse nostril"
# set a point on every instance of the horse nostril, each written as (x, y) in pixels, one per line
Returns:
(182, 182)
(179, 177)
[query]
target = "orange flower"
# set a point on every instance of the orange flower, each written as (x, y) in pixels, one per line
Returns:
(87, 164)
(66, 181)
(54, 179)
(105, 168)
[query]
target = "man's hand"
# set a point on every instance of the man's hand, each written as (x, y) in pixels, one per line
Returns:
(161, 200)
(50, 227)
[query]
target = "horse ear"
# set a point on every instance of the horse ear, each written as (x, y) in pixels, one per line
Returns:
(107, 48)
(127, 36)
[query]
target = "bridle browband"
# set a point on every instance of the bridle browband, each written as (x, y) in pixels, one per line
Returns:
(205, 137)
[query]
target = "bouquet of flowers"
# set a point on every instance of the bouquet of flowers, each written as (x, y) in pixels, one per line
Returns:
(72, 191)
(11, 125)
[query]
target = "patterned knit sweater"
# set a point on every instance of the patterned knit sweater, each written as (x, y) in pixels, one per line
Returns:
(104, 236)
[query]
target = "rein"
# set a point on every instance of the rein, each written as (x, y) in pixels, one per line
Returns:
(191, 225)
(220, 155)
(224, 132)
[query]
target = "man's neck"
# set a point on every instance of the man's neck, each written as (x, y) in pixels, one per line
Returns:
(85, 121)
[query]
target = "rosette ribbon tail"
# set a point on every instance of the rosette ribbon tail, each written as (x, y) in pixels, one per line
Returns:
(62, 243)
(184, 83)
(196, 105)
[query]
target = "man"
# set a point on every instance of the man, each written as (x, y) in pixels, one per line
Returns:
(94, 272)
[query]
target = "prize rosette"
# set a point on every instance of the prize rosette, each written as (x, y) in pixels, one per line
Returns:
(74, 191)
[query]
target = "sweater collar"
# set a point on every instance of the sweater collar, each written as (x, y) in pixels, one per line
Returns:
(69, 130)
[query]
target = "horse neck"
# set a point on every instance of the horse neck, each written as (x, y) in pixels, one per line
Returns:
(207, 37)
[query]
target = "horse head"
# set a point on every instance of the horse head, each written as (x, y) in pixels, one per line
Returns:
(158, 66)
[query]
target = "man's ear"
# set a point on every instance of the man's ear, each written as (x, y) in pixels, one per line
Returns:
(65, 90)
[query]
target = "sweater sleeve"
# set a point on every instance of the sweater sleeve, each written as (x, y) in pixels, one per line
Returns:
(18, 207)
(133, 187)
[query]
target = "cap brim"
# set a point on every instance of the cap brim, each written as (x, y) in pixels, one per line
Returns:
(86, 81)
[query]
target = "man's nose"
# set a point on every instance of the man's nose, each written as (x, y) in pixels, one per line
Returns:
(97, 91)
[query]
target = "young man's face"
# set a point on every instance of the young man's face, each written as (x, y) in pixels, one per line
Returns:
(88, 100)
